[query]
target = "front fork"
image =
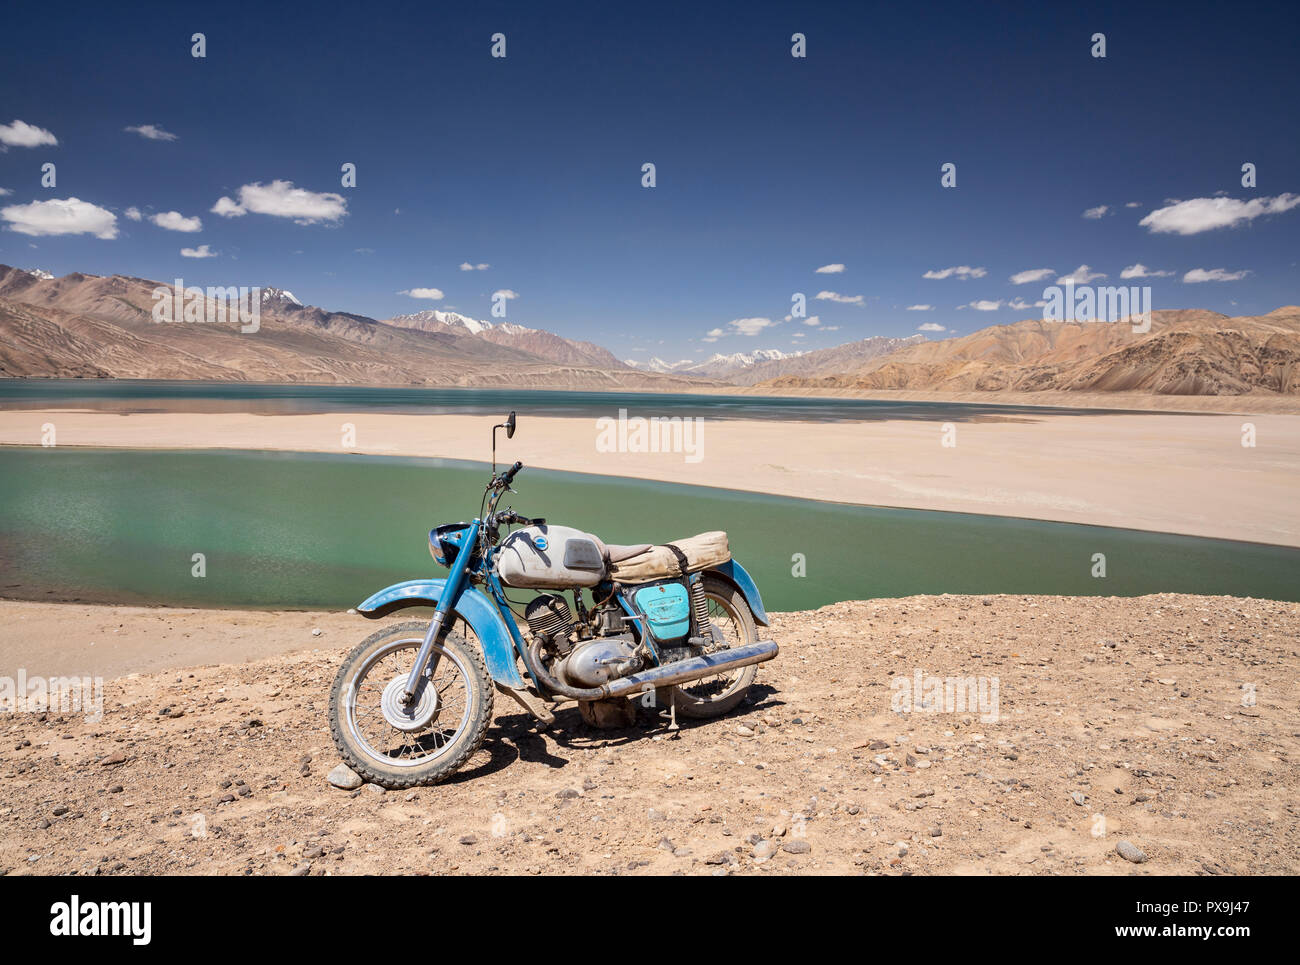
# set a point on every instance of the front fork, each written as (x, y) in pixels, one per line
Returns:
(425, 658)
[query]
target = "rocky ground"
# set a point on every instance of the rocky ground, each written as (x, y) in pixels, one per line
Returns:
(1167, 722)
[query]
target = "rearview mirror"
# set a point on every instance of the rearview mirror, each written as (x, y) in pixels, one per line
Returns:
(510, 425)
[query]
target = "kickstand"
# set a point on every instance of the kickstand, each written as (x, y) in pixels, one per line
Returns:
(672, 714)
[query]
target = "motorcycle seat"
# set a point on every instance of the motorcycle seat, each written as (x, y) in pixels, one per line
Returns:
(616, 553)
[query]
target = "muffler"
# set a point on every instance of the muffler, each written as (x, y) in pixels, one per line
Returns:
(692, 669)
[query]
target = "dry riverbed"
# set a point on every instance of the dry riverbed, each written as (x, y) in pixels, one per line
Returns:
(1118, 720)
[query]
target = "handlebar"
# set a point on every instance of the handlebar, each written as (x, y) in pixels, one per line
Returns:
(508, 476)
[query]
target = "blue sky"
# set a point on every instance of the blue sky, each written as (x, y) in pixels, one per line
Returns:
(767, 166)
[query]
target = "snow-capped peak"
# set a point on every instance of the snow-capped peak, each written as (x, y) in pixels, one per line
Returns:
(279, 294)
(39, 273)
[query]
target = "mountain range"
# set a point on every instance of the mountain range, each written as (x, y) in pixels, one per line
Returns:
(1186, 352)
(90, 326)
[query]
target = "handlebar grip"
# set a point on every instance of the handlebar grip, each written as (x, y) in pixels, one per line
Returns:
(508, 476)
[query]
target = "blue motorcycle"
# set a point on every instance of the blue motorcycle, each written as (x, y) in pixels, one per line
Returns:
(673, 625)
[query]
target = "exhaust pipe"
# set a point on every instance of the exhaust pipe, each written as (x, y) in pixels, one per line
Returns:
(683, 671)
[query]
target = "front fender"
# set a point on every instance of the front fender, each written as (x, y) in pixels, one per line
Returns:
(734, 573)
(473, 606)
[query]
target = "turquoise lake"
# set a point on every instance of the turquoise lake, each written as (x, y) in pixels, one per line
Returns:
(296, 530)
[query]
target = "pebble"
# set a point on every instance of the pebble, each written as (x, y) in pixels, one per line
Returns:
(344, 777)
(1130, 852)
(764, 850)
(1078, 797)
(301, 870)
(796, 846)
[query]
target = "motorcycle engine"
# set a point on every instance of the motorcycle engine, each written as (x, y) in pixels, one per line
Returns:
(549, 616)
(599, 660)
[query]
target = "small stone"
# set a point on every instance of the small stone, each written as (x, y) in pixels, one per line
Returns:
(568, 794)
(1130, 852)
(936, 832)
(1078, 797)
(117, 757)
(301, 870)
(468, 839)
(764, 850)
(61, 810)
(744, 731)
(796, 846)
(315, 631)
(344, 777)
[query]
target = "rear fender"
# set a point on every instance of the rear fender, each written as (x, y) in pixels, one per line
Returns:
(473, 606)
(736, 575)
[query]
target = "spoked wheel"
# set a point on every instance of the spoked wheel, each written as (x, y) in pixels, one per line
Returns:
(399, 745)
(733, 626)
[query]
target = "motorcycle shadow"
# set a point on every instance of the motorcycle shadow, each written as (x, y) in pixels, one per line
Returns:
(516, 738)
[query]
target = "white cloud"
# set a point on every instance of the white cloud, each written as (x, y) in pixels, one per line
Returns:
(1032, 274)
(151, 131)
(228, 208)
(133, 213)
(843, 299)
(1142, 271)
(749, 326)
(1080, 276)
(1019, 304)
(834, 269)
(4, 191)
(466, 266)
(1092, 214)
(175, 221)
(202, 251)
(22, 134)
(1214, 274)
(281, 199)
(1133, 204)
(1206, 214)
(984, 305)
(920, 308)
(931, 327)
(505, 293)
(62, 216)
(813, 321)
(959, 271)
(432, 293)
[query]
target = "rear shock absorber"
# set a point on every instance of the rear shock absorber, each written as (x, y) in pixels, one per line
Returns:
(700, 609)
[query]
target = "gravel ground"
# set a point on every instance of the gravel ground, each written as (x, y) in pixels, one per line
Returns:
(1152, 735)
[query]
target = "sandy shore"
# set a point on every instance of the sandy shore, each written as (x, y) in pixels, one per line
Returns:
(1117, 719)
(1177, 473)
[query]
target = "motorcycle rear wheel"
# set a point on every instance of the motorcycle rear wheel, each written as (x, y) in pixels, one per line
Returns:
(734, 626)
(456, 699)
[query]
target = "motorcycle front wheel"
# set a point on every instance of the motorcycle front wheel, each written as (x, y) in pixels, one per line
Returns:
(398, 745)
